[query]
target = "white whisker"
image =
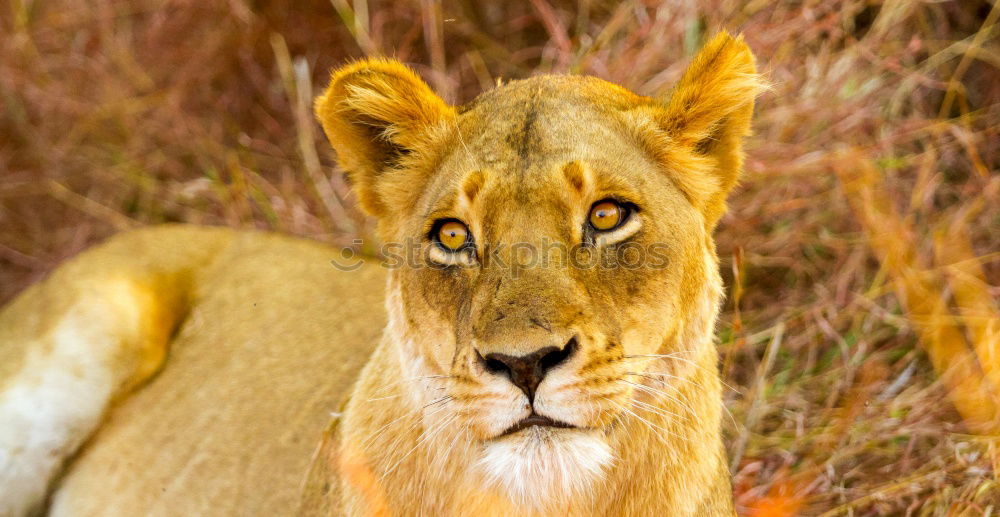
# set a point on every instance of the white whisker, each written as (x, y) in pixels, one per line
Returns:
(653, 391)
(411, 379)
(688, 361)
(424, 437)
(669, 376)
(382, 429)
(659, 411)
(650, 424)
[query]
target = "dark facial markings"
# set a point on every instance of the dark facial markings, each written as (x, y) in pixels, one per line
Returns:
(525, 144)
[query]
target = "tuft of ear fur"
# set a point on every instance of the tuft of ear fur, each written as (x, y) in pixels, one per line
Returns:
(706, 118)
(375, 112)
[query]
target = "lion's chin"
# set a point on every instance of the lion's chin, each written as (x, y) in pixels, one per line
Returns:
(544, 467)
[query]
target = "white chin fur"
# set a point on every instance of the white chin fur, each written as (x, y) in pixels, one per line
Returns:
(542, 467)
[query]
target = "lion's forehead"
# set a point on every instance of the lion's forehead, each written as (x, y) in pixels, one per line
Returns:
(558, 89)
(537, 120)
(519, 137)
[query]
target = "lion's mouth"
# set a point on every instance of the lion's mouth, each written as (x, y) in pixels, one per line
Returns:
(535, 419)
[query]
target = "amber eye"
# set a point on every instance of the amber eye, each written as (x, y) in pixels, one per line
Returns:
(453, 235)
(606, 215)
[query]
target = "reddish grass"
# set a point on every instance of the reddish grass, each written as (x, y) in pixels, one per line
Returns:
(121, 113)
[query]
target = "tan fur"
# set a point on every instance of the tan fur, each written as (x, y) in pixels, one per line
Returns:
(522, 164)
(269, 337)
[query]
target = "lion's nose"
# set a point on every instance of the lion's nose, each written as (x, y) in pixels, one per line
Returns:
(527, 371)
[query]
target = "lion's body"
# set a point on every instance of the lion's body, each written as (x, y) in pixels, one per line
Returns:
(269, 336)
(583, 383)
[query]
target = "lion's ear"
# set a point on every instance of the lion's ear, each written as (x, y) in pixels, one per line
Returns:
(375, 112)
(707, 116)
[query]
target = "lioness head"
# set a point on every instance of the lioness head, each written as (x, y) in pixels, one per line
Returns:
(566, 270)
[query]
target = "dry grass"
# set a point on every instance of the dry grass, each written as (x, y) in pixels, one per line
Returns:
(118, 113)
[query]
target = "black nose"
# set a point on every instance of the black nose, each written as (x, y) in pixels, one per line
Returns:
(527, 371)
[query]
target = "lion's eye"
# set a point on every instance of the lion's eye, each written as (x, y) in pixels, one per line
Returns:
(452, 235)
(606, 215)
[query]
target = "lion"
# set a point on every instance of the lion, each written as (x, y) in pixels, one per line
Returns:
(545, 348)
